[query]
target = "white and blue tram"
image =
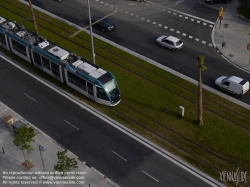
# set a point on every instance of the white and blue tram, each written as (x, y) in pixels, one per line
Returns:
(79, 74)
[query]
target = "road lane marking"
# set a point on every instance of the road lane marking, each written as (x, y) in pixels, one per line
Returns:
(184, 34)
(182, 13)
(29, 96)
(196, 39)
(71, 124)
(119, 156)
(159, 25)
(154, 23)
(190, 37)
(203, 42)
(178, 32)
(165, 27)
(172, 29)
(150, 176)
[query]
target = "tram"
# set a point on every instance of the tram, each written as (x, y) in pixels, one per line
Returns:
(83, 76)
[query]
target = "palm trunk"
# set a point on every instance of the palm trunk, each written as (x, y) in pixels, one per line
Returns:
(200, 108)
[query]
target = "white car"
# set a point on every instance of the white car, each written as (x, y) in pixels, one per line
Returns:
(233, 84)
(170, 42)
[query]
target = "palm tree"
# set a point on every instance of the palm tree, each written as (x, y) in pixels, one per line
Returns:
(200, 62)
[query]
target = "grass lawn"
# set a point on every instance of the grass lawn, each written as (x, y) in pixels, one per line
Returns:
(145, 95)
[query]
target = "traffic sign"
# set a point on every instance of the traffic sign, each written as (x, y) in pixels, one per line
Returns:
(220, 18)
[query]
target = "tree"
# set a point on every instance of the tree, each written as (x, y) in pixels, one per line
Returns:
(200, 62)
(65, 163)
(23, 137)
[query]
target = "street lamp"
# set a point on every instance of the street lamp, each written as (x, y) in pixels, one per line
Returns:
(91, 36)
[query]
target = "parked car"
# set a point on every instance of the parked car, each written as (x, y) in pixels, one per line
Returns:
(233, 84)
(217, 1)
(170, 42)
(105, 24)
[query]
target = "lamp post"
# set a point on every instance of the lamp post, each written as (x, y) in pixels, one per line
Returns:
(91, 36)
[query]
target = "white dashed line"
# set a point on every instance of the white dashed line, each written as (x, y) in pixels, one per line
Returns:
(178, 32)
(119, 156)
(203, 42)
(211, 26)
(169, 11)
(106, 4)
(149, 176)
(29, 96)
(126, 12)
(186, 17)
(159, 25)
(172, 29)
(180, 15)
(132, 14)
(189, 15)
(184, 34)
(196, 39)
(71, 124)
(101, 2)
(190, 37)
(210, 45)
(142, 18)
(198, 21)
(96, 0)
(148, 20)
(192, 19)
(111, 6)
(137, 16)
(154, 23)
(174, 13)
(165, 27)
(204, 23)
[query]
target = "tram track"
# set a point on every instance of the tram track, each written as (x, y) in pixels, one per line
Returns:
(130, 61)
(164, 87)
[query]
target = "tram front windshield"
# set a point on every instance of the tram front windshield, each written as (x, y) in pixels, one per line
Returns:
(112, 89)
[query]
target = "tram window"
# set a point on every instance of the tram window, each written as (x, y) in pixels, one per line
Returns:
(82, 84)
(55, 69)
(101, 94)
(77, 81)
(90, 88)
(46, 63)
(2, 39)
(71, 78)
(37, 58)
(19, 47)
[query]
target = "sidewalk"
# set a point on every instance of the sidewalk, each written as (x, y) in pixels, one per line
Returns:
(235, 32)
(11, 159)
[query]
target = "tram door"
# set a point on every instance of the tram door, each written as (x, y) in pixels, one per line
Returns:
(90, 90)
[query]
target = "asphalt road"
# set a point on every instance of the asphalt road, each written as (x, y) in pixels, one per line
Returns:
(138, 27)
(118, 156)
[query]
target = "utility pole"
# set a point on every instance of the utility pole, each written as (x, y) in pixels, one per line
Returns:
(91, 36)
(33, 17)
